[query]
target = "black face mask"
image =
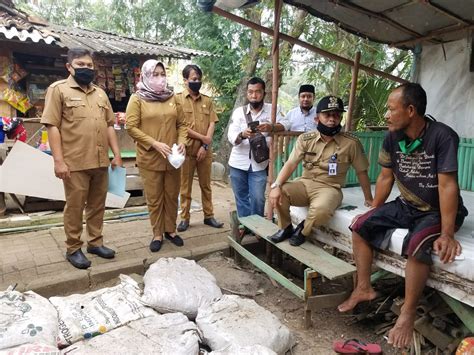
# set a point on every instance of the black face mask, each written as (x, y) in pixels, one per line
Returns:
(194, 86)
(256, 105)
(328, 131)
(83, 76)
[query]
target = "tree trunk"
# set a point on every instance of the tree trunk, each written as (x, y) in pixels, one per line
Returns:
(253, 15)
(286, 48)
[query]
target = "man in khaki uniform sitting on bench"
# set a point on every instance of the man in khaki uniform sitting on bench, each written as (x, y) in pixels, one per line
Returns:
(327, 154)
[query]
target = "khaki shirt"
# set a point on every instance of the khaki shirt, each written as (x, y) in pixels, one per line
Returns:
(316, 155)
(199, 114)
(82, 118)
(150, 121)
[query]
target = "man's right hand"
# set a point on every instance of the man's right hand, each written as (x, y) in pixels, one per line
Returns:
(61, 170)
(162, 148)
(247, 133)
(275, 197)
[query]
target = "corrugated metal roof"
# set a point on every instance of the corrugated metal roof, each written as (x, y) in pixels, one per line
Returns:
(16, 25)
(111, 44)
(400, 23)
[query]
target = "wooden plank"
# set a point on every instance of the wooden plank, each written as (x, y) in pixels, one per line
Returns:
(316, 303)
(308, 254)
(133, 182)
(282, 280)
(464, 312)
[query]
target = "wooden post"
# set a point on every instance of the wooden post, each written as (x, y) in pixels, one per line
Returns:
(352, 97)
(275, 86)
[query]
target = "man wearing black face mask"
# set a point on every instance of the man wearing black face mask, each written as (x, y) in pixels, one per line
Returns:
(248, 177)
(201, 118)
(80, 121)
(327, 154)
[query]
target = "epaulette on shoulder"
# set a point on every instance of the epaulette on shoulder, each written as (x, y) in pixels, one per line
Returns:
(308, 136)
(350, 136)
(56, 83)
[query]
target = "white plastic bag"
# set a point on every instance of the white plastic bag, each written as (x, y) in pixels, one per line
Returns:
(242, 322)
(176, 158)
(170, 334)
(179, 285)
(94, 313)
(26, 318)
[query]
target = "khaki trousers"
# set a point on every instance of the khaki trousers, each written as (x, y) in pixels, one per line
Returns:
(204, 175)
(161, 191)
(321, 199)
(85, 189)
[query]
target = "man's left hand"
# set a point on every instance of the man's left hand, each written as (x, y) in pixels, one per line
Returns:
(181, 148)
(201, 154)
(265, 127)
(447, 248)
(116, 161)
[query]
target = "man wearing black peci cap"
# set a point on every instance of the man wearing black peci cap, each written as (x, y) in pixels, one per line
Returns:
(327, 154)
(301, 118)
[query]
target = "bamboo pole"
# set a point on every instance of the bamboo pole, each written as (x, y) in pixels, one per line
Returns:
(352, 96)
(306, 45)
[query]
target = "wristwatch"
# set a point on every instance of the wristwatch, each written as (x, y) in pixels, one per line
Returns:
(275, 185)
(205, 146)
(242, 136)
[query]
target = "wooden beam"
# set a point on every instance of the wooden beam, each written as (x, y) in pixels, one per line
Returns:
(306, 45)
(352, 95)
(429, 35)
(275, 87)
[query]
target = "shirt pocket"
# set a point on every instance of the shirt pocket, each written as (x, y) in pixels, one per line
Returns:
(188, 115)
(75, 110)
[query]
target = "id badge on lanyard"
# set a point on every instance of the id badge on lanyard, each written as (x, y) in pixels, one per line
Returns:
(332, 170)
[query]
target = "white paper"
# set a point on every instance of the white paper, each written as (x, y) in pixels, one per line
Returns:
(30, 172)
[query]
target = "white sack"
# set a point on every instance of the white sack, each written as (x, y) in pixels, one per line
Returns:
(32, 349)
(167, 334)
(179, 285)
(94, 313)
(241, 322)
(244, 350)
(26, 318)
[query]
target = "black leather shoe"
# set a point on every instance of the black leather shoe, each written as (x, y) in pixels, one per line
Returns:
(297, 239)
(155, 245)
(78, 259)
(102, 251)
(282, 234)
(183, 225)
(212, 222)
(176, 240)
(298, 228)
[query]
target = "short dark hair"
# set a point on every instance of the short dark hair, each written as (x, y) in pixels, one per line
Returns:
(413, 94)
(74, 53)
(256, 80)
(189, 68)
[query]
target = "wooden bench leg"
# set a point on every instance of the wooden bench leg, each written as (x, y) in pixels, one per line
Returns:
(268, 253)
(237, 234)
(309, 275)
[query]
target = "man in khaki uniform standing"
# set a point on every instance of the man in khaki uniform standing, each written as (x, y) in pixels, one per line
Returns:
(327, 155)
(80, 120)
(201, 118)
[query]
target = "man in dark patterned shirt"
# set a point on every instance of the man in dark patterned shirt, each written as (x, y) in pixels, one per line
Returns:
(420, 155)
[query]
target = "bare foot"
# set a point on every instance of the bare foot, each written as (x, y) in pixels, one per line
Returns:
(357, 296)
(401, 334)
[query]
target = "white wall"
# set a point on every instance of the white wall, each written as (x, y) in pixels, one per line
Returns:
(449, 85)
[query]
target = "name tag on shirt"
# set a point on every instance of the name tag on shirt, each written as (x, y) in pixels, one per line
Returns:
(332, 171)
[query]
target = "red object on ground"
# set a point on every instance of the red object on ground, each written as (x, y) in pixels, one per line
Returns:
(466, 347)
(354, 346)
